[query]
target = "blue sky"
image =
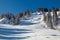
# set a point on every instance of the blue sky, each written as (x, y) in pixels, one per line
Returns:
(16, 6)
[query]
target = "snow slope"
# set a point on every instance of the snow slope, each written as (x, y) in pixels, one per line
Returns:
(31, 28)
(4, 21)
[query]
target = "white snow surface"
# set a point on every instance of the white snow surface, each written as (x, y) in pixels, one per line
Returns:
(39, 30)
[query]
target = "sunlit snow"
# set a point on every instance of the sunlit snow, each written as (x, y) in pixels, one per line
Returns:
(31, 28)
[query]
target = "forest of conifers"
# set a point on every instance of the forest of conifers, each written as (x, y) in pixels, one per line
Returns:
(16, 18)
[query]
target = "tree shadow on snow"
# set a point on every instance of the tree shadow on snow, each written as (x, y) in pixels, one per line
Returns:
(26, 23)
(13, 38)
(8, 32)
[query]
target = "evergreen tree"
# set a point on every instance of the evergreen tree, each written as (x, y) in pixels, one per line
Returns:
(54, 18)
(1, 16)
(9, 15)
(17, 21)
(12, 21)
(40, 9)
(44, 17)
(50, 20)
(28, 12)
(45, 9)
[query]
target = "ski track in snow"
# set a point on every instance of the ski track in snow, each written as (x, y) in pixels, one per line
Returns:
(35, 31)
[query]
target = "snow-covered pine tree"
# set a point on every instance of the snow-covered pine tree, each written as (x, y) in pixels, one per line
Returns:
(50, 25)
(44, 17)
(48, 19)
(12, 21)
(17, 19)
(10, 17)
(54, 17)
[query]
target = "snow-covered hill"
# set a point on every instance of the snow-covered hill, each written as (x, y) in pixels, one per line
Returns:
(30, 28)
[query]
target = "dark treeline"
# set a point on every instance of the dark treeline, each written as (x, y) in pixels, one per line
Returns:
(15, 19)
(46, 9)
